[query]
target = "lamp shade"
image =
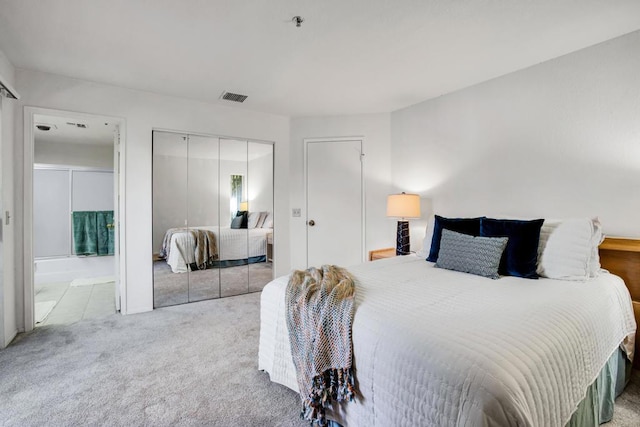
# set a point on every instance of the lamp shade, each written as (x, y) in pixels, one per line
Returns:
(244, 206)
(403, 205)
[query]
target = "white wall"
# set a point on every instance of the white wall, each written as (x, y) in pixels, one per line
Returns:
(87, 155)
(375, 128)
(260, 185)
(177, 197)
(173, 194)
(8, 325)
(560, 139)
(144, 111)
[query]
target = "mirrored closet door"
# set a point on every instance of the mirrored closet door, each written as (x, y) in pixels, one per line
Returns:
(170, 201)
(260, 197)
(212, 217)
(200, 249)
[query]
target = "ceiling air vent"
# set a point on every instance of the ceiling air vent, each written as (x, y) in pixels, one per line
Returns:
(78, 125)
(235, 97)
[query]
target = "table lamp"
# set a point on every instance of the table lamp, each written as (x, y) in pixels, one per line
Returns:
(403, 206)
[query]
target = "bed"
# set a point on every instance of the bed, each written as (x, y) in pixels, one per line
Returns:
(439, 347)
(241, 245)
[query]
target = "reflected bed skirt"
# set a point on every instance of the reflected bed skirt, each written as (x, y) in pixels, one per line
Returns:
(237, 262)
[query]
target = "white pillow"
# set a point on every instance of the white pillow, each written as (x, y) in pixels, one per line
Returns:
(568, 249)
(268, 221)
(428, 237)
(598, 238)
(261, 218)
(252, 222)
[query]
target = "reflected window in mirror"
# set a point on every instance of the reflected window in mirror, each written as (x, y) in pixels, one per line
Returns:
(237, 200)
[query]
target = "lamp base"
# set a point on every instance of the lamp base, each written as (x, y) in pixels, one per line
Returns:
(402, 238)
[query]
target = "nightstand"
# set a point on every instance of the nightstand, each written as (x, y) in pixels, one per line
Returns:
(270, 247)
(382, 253)
(622, 258)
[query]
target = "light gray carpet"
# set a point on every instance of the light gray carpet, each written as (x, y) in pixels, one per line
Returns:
(193, 364)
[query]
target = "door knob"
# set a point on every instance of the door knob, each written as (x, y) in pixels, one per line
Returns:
(312, 223)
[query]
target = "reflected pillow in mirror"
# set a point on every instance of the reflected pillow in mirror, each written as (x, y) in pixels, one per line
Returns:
(245, 218)
(268, 221)
(252, 222)
(261, 218)
(237, 222)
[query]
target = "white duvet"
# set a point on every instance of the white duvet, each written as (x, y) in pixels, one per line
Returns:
(434, 347)
(233, 244)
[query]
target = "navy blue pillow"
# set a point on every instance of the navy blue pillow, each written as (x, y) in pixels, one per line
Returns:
(469, 226)
(245, 218)
(520, 258)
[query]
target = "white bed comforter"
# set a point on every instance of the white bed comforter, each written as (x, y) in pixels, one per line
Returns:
(233, 244)
(434, 347)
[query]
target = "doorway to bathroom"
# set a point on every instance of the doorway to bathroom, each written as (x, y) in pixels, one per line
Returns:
(74, 218)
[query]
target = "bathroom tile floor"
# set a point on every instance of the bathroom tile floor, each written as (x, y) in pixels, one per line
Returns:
(75, 303)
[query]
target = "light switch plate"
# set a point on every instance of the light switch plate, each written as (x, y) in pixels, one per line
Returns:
(296, 212)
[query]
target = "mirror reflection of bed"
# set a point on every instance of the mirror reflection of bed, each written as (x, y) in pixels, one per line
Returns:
(212, 217)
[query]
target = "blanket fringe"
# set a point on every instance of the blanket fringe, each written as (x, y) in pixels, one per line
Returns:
(333, 385)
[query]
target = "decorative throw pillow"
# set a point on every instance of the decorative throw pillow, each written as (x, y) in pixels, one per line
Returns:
(426, 241)
(568, 248)
(245, 218)
(520, 258)
(469, 254)
(461, 225)
(237, 222)
(263, 216)
(596, 240)
(253, 219)
(268, 221)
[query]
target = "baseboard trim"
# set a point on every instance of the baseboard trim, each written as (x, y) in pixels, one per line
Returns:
(9, 339)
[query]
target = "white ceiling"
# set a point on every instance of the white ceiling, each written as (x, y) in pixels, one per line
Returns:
(355, 56)
(97, 132)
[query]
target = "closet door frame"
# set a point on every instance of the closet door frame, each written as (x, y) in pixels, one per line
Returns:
(235, 138)
(178, 143)
(273, 203)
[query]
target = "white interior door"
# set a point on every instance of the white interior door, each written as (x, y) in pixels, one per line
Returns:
(334, 202)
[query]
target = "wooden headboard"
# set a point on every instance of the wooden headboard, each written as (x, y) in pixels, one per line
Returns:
(622, 258)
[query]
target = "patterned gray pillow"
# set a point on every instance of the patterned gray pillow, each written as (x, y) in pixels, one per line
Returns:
(237, 222)
(469, 254)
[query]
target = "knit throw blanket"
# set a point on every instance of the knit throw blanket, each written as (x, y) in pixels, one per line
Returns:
(206, 249)
(319, 317)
